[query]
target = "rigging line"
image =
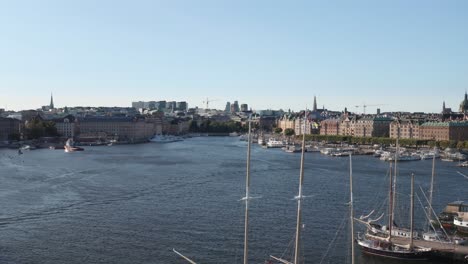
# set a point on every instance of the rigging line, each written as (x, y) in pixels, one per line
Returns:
(432, 209)
(466, 177)
(334, 238)
(427, 216)
(289, 246)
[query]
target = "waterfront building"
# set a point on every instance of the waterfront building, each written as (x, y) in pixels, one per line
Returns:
(409, 128)
(330, 126)
(347, 125)
(130, 129)
(176, 126)
(66, 126)
(371, 126)
(452, 130)
(9, 128)
(303, 125)
(296, 122)
(286, 121)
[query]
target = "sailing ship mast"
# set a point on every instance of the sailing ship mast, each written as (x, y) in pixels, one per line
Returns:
(351, 206)
(431, 190)
(412, 212)
(247, 197)
(395, 172)
(390, 205)
(300, 197)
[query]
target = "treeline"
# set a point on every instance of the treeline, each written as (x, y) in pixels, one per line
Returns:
(37, 128)
(405, 142)
(210, 126)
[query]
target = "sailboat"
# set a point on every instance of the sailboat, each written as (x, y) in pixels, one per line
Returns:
(376, 245)
(381, 244)
(245, 199)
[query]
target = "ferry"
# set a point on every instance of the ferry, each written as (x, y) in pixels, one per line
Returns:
(273, 143)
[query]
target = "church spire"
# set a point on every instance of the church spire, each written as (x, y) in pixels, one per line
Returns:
(51, 106)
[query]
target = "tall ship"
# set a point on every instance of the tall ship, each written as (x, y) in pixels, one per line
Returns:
(381, 243)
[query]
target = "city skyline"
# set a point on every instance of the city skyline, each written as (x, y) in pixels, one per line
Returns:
(270, 55)
(371, 107)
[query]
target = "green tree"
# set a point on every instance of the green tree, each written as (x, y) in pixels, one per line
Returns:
(278, 130)
(49, 129)
(289, 132)
(193, 126)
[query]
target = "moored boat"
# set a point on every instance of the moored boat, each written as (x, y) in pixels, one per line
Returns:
(165, 139)
(382, 244)
(273, 143)
(461, 223)
(70, 146)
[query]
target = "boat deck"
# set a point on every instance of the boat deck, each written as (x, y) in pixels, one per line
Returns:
(435, 245)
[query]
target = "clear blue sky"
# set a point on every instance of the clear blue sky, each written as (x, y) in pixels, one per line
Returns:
(406, 55)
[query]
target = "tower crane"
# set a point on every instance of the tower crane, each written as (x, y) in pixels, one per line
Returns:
(207, 102)
(364, 106)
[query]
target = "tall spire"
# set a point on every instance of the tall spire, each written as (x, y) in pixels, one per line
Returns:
(443, 107)
(315, 104)
(51, 106)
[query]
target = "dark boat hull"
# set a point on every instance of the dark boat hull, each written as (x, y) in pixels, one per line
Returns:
(415, 255)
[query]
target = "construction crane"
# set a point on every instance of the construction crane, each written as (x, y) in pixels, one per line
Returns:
(364, 106)
(207, 102)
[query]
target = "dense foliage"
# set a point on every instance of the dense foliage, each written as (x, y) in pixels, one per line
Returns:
(37, 128)
(289, 132)
(210, 126)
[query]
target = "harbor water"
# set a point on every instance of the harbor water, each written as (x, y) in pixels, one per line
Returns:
(135, 203)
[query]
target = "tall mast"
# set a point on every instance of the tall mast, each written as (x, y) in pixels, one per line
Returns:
(300, 197)
(390, 204)
(431, 190)
(351, 205)
(412, 211)
(395, 173)
(246, 198)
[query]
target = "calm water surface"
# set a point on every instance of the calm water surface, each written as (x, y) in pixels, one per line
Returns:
(134, 203)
